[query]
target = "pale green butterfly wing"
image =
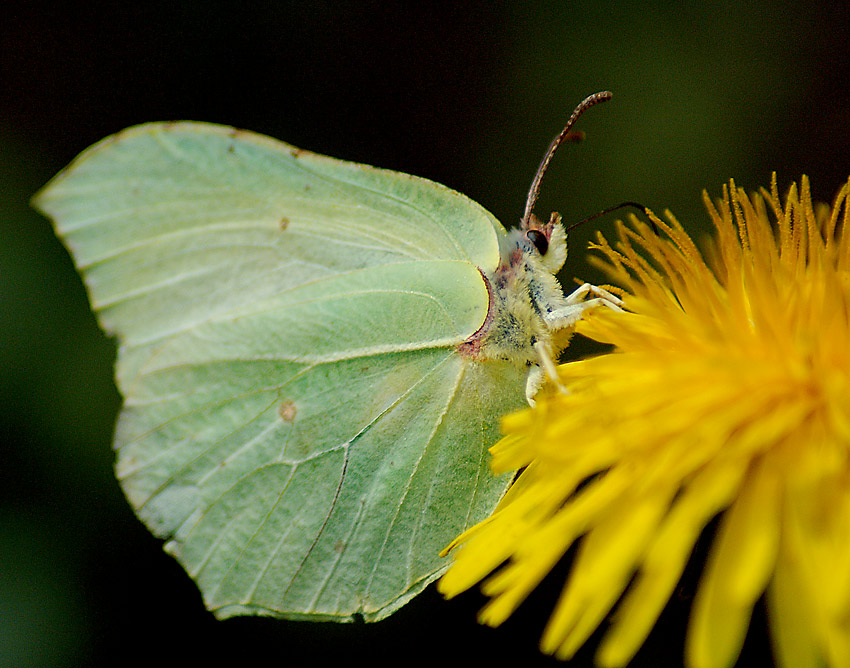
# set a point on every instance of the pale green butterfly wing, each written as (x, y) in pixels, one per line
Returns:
(298, 422)
(175, 223)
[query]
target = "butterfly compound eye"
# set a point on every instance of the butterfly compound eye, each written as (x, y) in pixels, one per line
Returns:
(536, 237)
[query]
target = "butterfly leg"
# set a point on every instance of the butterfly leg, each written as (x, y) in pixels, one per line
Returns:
(570, 314)
(578, 295)
(538, 374)
(565, 318)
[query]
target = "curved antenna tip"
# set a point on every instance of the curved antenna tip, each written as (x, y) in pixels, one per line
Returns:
(534, 190)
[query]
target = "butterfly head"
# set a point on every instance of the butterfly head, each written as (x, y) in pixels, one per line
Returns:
(549, 240)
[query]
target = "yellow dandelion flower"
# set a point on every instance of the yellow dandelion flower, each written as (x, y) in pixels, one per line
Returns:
(727, 392)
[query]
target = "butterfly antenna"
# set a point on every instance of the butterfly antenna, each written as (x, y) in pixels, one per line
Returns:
(623, 205)
(534, 191)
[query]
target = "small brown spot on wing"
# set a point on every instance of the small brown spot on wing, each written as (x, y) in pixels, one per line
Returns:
(284, 222)
(295, 152)
(287, 411)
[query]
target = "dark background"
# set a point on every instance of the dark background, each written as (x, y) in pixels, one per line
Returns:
(468, 94)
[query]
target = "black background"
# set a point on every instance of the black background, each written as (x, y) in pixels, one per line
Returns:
(468, 94)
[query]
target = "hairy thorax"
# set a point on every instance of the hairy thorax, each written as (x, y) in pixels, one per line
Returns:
(522, 293)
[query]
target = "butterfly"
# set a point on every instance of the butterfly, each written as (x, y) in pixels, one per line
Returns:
(313, 356)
